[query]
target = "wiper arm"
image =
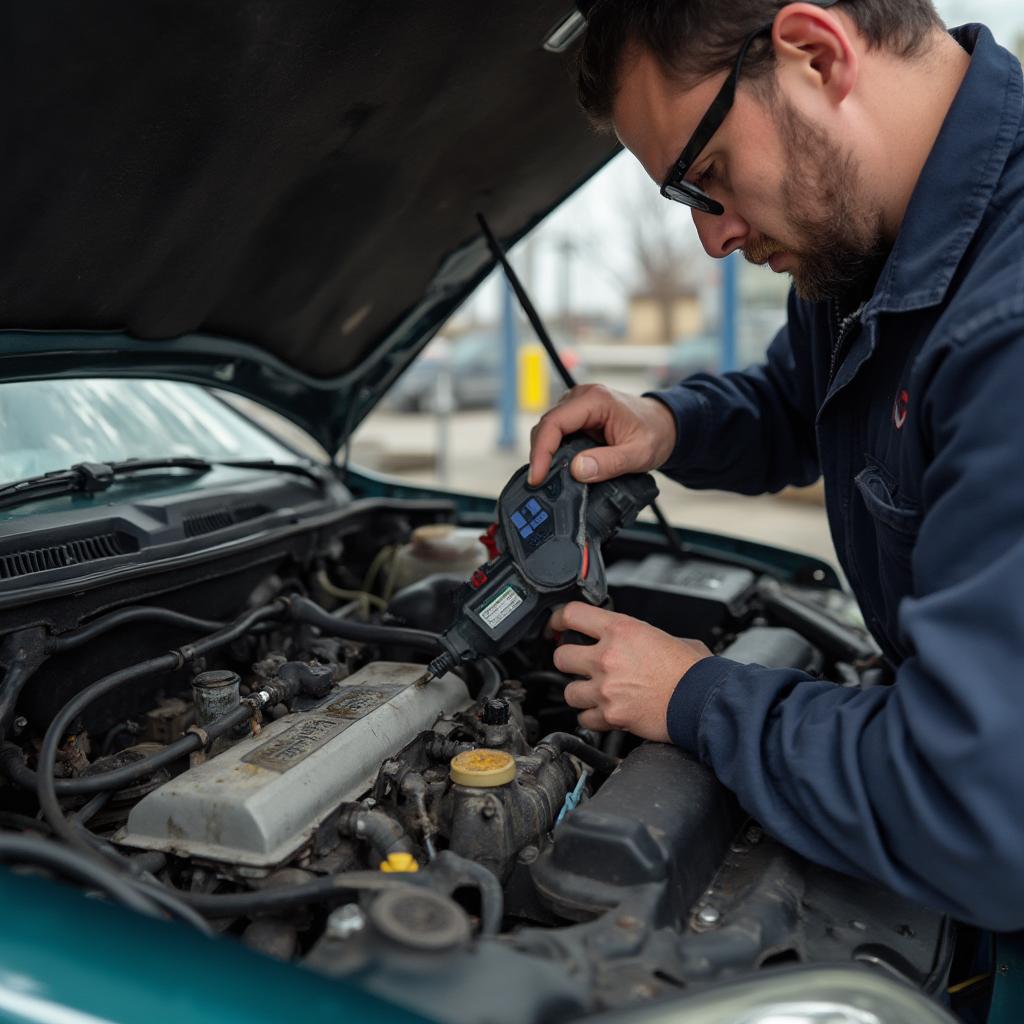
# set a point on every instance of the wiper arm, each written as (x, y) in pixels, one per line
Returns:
(92, 477)
(295, 468)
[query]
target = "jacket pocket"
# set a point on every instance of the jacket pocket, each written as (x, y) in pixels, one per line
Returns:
(879, 494)
(887, 527)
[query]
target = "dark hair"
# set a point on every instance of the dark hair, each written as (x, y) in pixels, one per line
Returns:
(694, 39)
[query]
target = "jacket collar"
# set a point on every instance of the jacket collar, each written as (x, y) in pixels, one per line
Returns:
(958, 181)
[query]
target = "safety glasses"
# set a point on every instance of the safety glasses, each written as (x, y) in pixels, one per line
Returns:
(676, 187)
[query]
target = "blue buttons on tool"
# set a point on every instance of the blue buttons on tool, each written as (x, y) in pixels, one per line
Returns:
(533, 523)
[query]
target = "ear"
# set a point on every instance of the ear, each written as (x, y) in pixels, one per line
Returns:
(814, 42)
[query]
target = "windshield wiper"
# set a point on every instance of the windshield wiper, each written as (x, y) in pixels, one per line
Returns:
(92, 477)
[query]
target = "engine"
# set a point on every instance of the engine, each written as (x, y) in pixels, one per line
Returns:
(304, 787)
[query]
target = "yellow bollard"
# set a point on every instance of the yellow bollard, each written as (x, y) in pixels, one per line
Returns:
(534, 378)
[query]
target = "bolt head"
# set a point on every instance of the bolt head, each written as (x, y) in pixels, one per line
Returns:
(709, 915)
(345, 922)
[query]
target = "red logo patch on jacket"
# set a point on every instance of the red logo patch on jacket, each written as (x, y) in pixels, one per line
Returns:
(901, 409)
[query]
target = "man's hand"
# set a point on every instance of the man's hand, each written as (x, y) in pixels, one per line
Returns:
(630, 673)
(640, 434)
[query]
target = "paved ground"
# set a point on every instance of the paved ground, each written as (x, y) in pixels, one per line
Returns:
(406, 445)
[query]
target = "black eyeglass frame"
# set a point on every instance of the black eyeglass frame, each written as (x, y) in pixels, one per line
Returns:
(675, 186)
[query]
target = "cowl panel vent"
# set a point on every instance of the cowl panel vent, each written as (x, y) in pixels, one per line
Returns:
(95, 548)
(220, 519)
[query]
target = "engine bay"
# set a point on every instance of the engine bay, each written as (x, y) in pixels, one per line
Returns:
(258, 750)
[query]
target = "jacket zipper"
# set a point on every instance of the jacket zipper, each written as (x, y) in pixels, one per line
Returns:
(844, 329)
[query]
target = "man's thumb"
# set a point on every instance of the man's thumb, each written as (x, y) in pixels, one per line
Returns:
(598, 464)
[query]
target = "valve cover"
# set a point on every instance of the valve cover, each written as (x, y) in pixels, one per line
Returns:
(260, 801)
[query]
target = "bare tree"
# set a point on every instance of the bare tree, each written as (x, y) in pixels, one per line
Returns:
(664, 255)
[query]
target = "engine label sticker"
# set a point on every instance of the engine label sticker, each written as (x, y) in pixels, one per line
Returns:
(358, 701)
(306, 737)
(501, 607)
(294, 744)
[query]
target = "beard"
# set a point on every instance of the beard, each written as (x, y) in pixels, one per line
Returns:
(841, 246)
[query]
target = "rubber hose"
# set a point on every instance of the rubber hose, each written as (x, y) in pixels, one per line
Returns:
(566, 743)
(165, 617)
(47, 792)
(492, 899)
(490, 676)
(24, 667)
(380, 830)
(12, 762)
(237, 904)
(308, 612)
(70, 864)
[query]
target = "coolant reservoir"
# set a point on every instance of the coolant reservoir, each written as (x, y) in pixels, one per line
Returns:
(440, 547)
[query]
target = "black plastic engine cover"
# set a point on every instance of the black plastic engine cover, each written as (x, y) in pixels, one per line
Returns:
(693, 598)
(661, 818)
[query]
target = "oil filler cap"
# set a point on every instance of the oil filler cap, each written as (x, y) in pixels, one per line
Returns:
(483, 769)
(420, 919)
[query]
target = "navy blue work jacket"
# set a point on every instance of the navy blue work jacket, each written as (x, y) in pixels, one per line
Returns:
(915, 417)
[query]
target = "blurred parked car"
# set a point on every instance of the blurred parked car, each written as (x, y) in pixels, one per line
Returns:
(685, 358)
(475, 360)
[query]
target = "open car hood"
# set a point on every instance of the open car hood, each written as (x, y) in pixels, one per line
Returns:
(278, 200)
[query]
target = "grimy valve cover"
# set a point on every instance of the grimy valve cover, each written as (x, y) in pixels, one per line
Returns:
(260, 801)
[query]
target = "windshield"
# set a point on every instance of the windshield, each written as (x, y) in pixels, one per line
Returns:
(49, 425)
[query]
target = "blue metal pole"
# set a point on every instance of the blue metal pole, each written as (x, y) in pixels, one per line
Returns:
(730, 304)
(509, 370)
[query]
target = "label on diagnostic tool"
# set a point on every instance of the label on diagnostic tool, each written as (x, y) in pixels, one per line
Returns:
(495, 613)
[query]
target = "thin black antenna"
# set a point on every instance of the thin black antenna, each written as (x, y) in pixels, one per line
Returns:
(545, 339)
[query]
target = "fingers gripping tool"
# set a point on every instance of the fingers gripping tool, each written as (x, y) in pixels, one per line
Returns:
(549, 542)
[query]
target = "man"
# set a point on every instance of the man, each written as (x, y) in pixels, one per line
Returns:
(879, 161)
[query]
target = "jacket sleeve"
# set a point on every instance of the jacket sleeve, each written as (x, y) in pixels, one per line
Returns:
(920, 785)
(750, 432)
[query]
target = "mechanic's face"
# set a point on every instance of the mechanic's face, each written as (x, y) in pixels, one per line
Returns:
(791, 193)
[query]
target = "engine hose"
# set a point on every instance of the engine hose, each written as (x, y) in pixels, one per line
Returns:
(237, 904)
(455, 870)
(491, 678)
(85, 814)
(31, 647)
(566, 743)
(85, 870)
(442, 750)
(380, 830)
(46, 783)
(12, 761)
(301, 609)
(143, 613)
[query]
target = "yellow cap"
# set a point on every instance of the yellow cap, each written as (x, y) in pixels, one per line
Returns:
(399, 863)
(483, 769)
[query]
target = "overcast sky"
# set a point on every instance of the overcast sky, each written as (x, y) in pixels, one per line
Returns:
(595, 219)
